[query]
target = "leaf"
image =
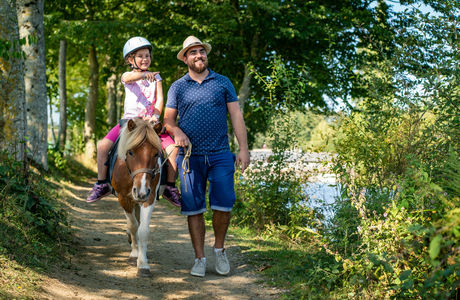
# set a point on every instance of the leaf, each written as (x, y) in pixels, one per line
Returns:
(435, 246)
(404, 275)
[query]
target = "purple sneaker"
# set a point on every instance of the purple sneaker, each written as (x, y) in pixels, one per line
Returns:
(99, 191)
(172, 195)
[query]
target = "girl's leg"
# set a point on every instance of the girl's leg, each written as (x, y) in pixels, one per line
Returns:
(171, 192)
(103, 148)
(101, 188)
(172, 169)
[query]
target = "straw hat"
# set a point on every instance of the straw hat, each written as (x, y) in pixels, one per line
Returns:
(192, 41)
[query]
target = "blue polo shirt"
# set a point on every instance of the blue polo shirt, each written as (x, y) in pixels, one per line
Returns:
(202, 111)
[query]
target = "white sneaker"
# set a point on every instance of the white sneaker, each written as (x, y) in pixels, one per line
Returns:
(199, 268)
(222, 264)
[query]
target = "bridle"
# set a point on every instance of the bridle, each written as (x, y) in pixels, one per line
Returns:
(152, 172)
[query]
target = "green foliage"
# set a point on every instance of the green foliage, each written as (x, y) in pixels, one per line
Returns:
(315, 132)
(396, 227)
(398, 162)
(318, 35)
(12, 48)
(57, 159)
(33, 225)
(270, 194)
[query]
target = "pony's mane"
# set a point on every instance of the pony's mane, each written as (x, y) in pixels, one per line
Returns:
(132, 139)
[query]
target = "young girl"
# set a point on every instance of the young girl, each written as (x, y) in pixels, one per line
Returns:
(144, 98)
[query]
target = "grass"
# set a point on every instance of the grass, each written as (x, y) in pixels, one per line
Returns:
(282, 264)
(35, 235)
(292, 268)
(17, 281)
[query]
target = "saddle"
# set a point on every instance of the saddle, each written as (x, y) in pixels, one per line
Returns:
(112, 159)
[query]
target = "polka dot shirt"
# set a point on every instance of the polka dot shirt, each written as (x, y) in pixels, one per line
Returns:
(202, 111)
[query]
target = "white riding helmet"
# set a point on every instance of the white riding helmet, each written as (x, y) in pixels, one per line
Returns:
(134, 44)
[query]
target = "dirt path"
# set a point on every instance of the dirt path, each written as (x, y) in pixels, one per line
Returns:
(100, 269)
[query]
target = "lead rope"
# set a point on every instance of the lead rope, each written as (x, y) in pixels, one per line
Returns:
(186, 164)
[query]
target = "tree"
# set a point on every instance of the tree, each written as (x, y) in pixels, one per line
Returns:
(319, 35)
(90, 110)
(12, 99)
(62, 95)
(93, 29)
(112, 102)
(30, 22)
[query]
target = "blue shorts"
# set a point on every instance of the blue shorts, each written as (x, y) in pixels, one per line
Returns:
(219, 170)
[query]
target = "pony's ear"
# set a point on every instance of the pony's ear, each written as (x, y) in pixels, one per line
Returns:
(131, 125)
(158, 127)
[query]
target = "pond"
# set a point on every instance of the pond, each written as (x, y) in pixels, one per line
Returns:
(322, 193)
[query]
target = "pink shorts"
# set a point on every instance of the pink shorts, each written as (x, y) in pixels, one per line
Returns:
(165, 138)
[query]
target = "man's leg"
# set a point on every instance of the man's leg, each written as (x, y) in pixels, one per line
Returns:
(193, 188)
(222, 199)
(220, 222)
(197, 231)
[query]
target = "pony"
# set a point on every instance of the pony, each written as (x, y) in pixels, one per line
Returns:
(136, 181)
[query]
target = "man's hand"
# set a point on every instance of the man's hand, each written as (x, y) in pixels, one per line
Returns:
(243, 160)
(180, 138)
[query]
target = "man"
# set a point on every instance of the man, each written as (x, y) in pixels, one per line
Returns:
(201, 100)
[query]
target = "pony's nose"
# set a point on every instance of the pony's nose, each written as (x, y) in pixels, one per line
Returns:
(141, 194)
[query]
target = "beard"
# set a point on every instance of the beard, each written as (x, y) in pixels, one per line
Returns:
(198, 69)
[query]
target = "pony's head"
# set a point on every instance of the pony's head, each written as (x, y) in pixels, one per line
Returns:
(140, 148)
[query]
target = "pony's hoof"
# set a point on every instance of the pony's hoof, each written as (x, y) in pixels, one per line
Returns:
(132, 261)
(144, 273)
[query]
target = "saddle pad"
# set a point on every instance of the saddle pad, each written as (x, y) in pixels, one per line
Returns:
(110, 163)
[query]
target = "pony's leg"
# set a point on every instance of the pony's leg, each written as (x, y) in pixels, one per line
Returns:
(143, 235)
(133, 225)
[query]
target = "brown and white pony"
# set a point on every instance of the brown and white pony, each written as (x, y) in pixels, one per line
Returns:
(136, 179)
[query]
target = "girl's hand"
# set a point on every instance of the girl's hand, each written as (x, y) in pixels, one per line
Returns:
(151, 76)
(153, 119)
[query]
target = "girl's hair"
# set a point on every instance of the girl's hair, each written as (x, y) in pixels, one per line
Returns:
(132, 54)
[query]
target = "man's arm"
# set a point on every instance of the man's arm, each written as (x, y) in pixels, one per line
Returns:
(169, 122)
(240, 131)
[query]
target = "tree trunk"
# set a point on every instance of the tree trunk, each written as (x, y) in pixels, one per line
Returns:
(30, 22)
(62, 95)
(12, 96)
(120, 99)
(90, 110)
(112, 100)
(245, 88)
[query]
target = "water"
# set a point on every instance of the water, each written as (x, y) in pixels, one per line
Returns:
(322, 188)
(322, 193)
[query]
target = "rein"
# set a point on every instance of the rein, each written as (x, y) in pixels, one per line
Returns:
(186, 163)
